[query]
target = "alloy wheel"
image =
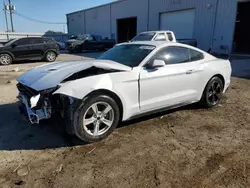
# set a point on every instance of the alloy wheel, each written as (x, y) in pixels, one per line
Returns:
(98, 118)
(214, 93)
(5, 59)
(51, 56)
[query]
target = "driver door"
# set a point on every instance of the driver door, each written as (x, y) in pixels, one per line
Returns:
(173, 84)
(90, 43)
(22, 48)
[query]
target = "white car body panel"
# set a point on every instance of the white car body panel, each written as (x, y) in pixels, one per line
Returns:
(176, 85)
(49, 75)
(123, 84)
(161, 32)
(139, 90)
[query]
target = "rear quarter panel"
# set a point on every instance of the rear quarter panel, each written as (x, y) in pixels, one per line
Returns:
(51, 46)
(216, 67)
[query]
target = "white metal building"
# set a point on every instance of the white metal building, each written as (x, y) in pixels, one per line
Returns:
(216, 24)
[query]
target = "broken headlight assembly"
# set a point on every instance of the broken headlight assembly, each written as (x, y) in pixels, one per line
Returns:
(42, 99)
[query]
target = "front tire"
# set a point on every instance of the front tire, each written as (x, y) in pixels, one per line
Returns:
(98, 117)
(212, 93)
(78, 49)
(5, 59)
(50, 56)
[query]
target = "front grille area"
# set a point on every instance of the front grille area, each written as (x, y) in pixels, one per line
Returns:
(68, 44)
(29, 92)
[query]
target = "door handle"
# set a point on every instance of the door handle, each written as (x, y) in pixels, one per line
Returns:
(189, 71)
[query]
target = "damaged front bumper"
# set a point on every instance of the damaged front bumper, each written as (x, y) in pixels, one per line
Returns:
(34, 114)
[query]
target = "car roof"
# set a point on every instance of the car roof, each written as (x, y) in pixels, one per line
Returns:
(162, 31)
(34, 38)
(160, 44)
(152, 43)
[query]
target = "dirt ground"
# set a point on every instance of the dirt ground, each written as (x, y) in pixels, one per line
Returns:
(183, 148)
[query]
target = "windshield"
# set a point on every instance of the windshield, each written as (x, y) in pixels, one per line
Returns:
(144, 37)
(11, 41)
(128, 54)
(72, 37)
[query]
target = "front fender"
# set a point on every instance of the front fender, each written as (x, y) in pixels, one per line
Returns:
(123, 84)
(8, 52)
(82, 87)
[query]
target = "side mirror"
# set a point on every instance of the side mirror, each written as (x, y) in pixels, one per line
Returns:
(157, 63)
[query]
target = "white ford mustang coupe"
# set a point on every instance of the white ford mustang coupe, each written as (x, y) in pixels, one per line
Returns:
(129, 80)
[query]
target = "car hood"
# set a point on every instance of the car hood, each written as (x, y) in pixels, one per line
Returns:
(50, 75)
(71, 40)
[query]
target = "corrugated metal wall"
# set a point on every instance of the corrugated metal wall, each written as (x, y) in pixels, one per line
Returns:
(224, 25)
(98, 21)
(130, 8)
(214, 19)
(75, 23)
(204, 16)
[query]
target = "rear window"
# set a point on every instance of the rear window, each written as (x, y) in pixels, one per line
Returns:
(37, 41)
(195, 56)
(144, 37)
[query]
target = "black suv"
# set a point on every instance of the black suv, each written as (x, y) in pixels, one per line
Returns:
(29, 48)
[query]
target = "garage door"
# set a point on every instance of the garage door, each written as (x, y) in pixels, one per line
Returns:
(180, 22)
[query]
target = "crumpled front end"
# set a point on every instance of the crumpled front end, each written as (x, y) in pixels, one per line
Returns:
(35, 105)
(43, 90)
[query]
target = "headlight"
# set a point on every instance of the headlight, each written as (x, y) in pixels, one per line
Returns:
(34, 100)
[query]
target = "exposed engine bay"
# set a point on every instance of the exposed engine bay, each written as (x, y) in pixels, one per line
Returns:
(35, 105)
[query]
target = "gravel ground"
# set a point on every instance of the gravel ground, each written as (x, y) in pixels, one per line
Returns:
(187, 147)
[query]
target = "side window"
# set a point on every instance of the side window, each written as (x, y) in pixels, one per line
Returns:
(24, 41)
(37, 41)
(170, 37)
(173, 55)
(195, 56)
(49, 40)
(160, 37)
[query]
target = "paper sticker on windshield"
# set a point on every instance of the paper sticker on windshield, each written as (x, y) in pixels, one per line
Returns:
(147, 47)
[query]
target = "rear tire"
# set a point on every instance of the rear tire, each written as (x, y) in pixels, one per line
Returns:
(212, 93)
(97, 119)
(50, 56)
(5, 59)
